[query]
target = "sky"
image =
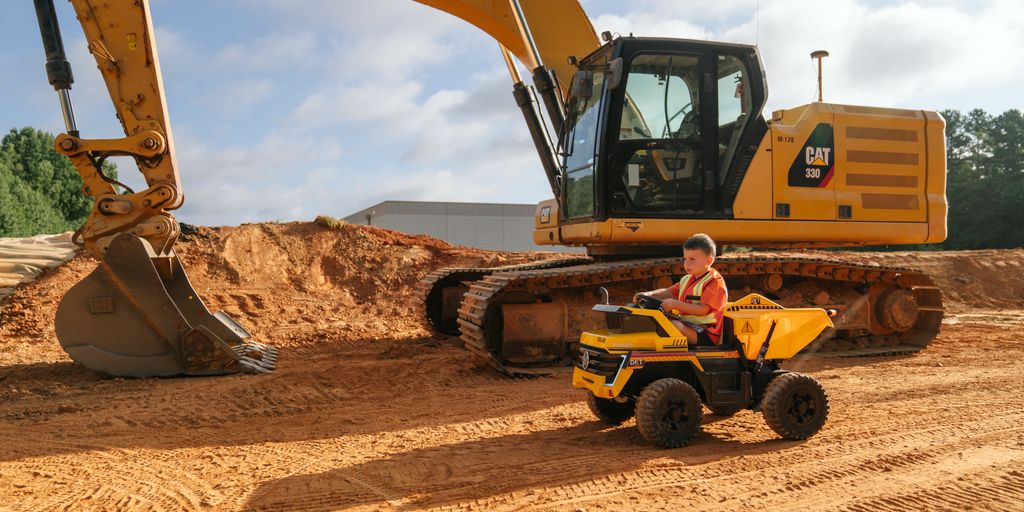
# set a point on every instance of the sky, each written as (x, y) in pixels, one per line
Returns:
(287, 109)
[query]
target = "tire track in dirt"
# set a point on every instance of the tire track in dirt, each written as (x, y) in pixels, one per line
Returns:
(619, 447)
(925, 434)
(552, 469)
(150, 480)
(846, 463)
(477, 475)
(998, 489)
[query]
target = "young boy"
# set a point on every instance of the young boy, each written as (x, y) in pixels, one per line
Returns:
(695, 304)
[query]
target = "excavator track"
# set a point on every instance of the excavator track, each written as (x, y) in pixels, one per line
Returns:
(448, 283)
(881, 310)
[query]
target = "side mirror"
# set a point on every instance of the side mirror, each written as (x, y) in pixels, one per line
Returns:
(582, 84)
(614, 73)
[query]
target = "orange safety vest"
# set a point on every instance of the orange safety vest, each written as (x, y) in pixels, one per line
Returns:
(694, 298)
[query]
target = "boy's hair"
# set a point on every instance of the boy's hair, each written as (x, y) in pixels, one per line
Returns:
(700, 241)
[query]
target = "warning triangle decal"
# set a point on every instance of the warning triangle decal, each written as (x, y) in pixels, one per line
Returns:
(747, 329)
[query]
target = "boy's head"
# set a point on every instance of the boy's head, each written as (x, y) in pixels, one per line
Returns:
(698, 254)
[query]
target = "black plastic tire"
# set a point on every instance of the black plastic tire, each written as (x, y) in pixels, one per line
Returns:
(795, 406)
(724, 410)
(611, 411)
(669, 412)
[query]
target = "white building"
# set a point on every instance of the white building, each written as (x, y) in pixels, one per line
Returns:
(502, 227)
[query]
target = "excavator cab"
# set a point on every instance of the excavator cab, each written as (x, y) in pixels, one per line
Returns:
(659, 128)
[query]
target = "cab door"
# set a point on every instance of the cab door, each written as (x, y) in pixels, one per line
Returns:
(661, 135)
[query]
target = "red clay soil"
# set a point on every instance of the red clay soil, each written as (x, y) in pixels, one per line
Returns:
(368, 411)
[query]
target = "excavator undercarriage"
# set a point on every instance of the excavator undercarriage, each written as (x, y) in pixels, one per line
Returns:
(526, 321)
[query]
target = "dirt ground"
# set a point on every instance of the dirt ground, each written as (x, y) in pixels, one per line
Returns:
(367, 411)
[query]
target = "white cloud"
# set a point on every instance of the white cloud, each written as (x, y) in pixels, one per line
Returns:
(375, 102)
(241, 95)
(385, 41)
(274, 51)
(906, 54)
(170, 44)
(649, 24)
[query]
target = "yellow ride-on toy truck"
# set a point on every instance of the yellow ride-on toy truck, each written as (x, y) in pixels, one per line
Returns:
(642, 365)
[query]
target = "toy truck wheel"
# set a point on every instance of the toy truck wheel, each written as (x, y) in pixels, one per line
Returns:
(668, 413)
(795, 406)
(611, 411)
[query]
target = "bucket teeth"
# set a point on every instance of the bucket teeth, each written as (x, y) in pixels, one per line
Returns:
(137, 315)
(256, 357)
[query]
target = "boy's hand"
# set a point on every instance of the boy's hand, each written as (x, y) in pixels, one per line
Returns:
(668, 305)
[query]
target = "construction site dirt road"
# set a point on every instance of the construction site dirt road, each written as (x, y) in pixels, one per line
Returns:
(368, 411)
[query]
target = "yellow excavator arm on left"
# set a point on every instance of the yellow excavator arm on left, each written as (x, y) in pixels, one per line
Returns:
(136, 314)
(119, 36)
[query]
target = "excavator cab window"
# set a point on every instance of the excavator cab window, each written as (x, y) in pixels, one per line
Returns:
(669, 139)
(658, 152)
(734, 106)
(580, 143)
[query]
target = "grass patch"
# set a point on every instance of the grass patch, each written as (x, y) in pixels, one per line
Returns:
(329, 222)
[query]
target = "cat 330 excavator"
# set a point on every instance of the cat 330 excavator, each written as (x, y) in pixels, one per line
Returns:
(655, 139)
(660, 138)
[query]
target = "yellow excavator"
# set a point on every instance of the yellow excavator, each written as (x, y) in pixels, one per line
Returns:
(657, 139)
(652, 139)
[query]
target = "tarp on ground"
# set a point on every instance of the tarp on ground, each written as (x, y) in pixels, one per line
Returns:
(24, 259)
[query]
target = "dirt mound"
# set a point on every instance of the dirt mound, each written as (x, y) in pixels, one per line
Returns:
(347, 282)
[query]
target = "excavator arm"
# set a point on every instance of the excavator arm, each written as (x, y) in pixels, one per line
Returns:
(120, 38)
(137, 314)
(558, 30)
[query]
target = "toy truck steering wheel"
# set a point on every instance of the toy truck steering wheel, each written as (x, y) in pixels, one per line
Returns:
(648, 302)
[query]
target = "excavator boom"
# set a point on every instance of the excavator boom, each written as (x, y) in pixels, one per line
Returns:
(136, 314)
(559, 30)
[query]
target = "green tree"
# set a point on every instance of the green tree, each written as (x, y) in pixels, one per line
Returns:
(25, 211)
(40, 191)
(985, 180)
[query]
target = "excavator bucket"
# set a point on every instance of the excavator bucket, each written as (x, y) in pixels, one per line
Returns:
(137, 315)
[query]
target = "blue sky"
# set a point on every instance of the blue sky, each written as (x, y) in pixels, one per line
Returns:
(283, 110)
